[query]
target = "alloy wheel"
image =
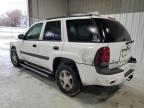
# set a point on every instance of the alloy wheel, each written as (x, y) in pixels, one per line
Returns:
(66, 80)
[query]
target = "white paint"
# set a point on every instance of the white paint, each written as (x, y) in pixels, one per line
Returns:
(81, 53)
(134, 22)
(21, 88)
(129, 12)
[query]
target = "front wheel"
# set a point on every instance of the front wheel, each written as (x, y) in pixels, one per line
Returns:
(14, 58)
(67, 80)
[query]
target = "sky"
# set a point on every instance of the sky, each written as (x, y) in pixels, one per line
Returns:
(8, 5)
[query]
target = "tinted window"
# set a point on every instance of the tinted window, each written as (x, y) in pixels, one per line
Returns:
(112, 31)
(52, 31)
(83, 30)
(34, 32)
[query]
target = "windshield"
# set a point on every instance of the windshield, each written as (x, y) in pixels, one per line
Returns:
(112, 31)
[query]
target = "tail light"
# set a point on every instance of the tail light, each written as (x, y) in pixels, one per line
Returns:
(102, 57)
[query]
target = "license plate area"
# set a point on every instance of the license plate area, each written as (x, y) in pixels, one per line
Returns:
(125, 54)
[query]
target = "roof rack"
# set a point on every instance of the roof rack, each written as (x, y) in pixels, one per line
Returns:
(74, 15)
(88, 14)
(56, 17)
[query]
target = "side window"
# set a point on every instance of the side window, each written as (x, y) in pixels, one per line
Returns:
(82, 31)
(52, 31)
(34, 32)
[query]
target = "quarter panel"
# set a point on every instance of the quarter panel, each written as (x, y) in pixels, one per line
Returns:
(81, 52)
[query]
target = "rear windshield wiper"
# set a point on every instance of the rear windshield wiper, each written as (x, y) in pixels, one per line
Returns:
(130, 42)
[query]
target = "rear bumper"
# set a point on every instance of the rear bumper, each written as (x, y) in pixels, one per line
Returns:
(89, 76)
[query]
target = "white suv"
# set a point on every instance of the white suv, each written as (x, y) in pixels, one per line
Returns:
(77, 50)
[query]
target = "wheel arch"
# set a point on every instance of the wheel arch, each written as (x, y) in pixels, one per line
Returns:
(58, 60)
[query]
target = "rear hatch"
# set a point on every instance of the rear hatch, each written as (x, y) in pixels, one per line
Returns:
(118, 39)
(120, 53)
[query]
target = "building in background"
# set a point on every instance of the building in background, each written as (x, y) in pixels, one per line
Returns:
(129, 12)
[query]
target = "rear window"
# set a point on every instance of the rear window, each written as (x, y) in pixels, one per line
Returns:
(112, 31)
(82, 30)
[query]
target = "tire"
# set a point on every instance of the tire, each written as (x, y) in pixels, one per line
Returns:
(14, 58)
(67, 80)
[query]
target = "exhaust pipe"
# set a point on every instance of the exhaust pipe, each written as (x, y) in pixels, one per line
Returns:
(129, 78)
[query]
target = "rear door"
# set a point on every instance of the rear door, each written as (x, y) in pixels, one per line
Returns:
(50, 45)
(118, 39)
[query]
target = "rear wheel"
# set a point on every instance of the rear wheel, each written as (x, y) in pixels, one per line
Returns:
(67, 80)
(14, 58)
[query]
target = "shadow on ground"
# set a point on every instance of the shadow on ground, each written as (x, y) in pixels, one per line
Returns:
(96, 94)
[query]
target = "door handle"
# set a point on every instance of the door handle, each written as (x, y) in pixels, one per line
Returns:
(34, 45)
(56, 48)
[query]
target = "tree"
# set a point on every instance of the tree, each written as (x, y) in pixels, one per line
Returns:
(12, 18)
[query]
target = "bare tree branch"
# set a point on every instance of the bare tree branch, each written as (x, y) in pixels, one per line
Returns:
(12, 18)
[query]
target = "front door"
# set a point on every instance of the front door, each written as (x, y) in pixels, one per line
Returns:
(30, 44)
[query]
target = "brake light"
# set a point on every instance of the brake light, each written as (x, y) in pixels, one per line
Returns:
(102, 57)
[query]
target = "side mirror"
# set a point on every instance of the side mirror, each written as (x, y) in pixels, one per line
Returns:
(21, 36)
